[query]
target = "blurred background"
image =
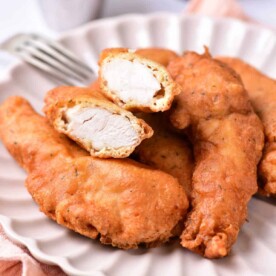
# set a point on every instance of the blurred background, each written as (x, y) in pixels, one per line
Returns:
(52, 17)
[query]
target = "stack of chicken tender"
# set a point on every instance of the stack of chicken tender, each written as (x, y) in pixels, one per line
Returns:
(159, 146)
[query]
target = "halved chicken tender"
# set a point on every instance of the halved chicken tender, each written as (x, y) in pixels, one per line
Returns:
(118, 201)
(99, 126)
(136, 83)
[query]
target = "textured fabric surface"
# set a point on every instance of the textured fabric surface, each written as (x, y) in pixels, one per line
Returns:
(16, 260)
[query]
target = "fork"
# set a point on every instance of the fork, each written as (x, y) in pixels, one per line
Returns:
(50, 57)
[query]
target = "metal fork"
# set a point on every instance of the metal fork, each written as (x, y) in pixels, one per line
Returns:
(50, 57)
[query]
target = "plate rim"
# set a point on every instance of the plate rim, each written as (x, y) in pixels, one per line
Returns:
(7, 73)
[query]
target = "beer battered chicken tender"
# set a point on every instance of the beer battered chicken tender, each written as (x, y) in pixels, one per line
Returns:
(120, 201)
(98, 125)
(262, 93)
(167, 151)
(228, 141)
(136, 83)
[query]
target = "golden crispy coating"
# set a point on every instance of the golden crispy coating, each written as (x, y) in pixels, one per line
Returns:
(262, 93)
(123, 202)
(228, 141)
(90, 119)
(159, 55)
(167, 151)
(134, 82)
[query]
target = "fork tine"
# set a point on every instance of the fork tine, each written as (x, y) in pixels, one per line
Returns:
(63, 51)
(50, 57)
(46, 68)
(45, 48)
(35, 53)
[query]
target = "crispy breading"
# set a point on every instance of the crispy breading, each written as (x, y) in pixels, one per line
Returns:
(121, 201)
(228, 142)
(159, 55)
(88, 127)
(167, 151)
(262, 93)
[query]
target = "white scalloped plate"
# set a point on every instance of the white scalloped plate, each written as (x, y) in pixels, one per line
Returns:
(254, 251)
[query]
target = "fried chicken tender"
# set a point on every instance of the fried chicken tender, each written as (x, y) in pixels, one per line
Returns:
(262, 93)
(159, 55)
(167, 151)
(95, 123)
(134, 82)
(122, 202)
(228, 141)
